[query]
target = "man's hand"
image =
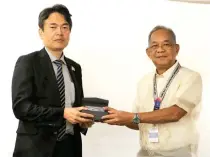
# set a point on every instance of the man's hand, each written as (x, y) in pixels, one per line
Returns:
(86, 125)
(74, 115)
(116, 117)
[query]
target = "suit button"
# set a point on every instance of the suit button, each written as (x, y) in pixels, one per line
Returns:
(55, 133)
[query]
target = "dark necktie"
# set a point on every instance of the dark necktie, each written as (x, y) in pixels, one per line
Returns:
(61, 88)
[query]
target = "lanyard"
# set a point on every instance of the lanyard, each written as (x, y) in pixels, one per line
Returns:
(158, 100)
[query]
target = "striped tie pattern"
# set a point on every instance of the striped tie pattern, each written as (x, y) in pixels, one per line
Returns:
(61, 88)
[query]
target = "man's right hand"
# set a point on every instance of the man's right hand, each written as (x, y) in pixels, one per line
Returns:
(74, 115)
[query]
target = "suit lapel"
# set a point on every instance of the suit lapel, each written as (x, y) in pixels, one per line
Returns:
(73, 76)
(49, 75)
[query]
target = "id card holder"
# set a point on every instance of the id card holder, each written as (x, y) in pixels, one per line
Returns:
(153, 135)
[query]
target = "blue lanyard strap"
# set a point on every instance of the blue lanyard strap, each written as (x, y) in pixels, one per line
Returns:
(159, 99)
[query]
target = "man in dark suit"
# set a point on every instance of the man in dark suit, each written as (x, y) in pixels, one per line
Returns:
(47, 92)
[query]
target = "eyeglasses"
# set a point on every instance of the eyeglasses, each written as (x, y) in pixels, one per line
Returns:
(165, 46)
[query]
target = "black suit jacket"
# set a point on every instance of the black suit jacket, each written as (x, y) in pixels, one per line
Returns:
(36, 103)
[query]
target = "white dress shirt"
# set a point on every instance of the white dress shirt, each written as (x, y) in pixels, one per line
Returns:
(69, 86)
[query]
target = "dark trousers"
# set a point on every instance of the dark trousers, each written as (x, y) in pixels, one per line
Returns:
(65, 148)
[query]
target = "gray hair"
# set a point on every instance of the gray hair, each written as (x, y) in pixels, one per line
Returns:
(172, 34)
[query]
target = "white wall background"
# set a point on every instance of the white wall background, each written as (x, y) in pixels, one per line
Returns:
(109, 40)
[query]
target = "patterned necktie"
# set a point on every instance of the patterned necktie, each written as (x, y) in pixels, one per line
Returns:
(61, 88)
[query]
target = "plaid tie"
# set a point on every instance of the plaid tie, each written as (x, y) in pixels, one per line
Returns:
(61, 88)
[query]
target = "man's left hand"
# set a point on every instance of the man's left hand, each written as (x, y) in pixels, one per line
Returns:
(116, 117)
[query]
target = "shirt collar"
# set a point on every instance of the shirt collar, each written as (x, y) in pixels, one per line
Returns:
(53, 58)
(167, 73)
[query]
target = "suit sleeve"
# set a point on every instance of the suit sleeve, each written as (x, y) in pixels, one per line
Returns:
(23, 100)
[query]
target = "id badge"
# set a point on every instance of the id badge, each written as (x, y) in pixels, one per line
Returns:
(153, 135)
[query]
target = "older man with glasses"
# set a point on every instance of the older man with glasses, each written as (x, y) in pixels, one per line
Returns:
(166, 99)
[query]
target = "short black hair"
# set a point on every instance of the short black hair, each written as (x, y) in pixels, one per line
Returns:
(158, 27)
(62, 9)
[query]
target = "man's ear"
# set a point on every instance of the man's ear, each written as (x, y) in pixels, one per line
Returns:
(177, 49)
(41, 33)
(148, 51)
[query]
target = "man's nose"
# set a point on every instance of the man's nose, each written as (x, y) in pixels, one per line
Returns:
(160, 49)
(59, 31)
